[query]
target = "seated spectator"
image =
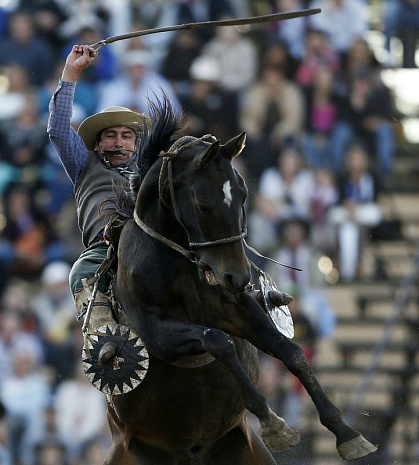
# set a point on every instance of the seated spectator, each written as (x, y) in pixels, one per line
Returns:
(104, 67)
(283, 193)
(192, 11)
(290, 185)
(50, 452)
(5, 456)
(82, 411)
(343, 21)
(135, 84)
(85, 98)
(236, 56)
(318, 53)
(14, 337)
(16, 90)
(291, 32)
(277, 55)
(177, 62)
(48, 16)
(209, 109)
(360, 58)
(26, 133)
(25, 394)
(356, 213)
(324, 196)
(24, 47)
(272, 114)
(95, 450)
(296, 250)
(366, 114)
(53, 307)
(321, 116)
(28, 241)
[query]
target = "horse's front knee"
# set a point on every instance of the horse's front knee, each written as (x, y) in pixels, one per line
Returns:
(219, 344)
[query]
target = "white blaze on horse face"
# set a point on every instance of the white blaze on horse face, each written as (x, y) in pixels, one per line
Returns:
(227, 193)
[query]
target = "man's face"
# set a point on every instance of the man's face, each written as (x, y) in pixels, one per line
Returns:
(118, 143)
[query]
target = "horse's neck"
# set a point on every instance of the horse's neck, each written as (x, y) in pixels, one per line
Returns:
(156, 215)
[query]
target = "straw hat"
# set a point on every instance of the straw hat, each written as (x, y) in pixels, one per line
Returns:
(107, 118)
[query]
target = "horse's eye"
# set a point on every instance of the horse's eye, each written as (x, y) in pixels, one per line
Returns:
(204, 208)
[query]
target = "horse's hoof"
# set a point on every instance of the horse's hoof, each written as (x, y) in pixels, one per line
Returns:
(277, 435)
(107, 352)
(356, 448)
(280, 298)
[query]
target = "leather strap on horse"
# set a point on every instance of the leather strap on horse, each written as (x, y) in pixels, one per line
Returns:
(223, 22)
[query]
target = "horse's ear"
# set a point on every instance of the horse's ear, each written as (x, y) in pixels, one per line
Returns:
(208, 155)
(235, 146)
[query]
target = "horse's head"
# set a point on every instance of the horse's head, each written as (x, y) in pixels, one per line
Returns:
(207, 196)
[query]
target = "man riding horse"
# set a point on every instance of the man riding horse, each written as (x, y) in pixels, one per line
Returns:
(102, 153)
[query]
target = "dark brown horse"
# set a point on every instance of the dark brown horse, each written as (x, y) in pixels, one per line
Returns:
(181, 279)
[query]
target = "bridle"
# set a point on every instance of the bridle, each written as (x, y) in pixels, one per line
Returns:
(166, 172)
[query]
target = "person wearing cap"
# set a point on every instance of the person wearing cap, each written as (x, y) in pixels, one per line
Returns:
(102, 152)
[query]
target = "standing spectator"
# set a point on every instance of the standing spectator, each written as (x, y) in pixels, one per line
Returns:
(343, 21)
(401, 18)
(366, 114)
(272, 115)
(356, 212)
(24, 47)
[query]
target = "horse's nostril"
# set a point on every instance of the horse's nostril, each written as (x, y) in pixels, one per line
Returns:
(235, 281)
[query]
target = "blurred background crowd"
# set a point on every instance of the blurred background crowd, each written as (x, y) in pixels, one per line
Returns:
(321, 137)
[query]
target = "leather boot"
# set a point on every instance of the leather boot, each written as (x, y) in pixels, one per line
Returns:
(101, 312)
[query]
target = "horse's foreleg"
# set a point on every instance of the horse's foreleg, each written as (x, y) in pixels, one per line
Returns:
(276, 434)
(258, 330)
(185, 339)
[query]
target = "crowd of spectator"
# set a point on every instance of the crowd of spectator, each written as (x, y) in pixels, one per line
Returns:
(320, 147)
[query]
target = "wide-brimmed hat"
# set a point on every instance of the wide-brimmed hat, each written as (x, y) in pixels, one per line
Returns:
(107, 118)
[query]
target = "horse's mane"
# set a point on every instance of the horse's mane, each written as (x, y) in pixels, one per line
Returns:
(166, 124)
